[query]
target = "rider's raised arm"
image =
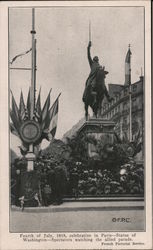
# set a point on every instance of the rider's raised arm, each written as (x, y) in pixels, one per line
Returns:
(89, 55)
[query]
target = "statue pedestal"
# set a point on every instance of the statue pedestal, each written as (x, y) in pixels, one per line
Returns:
(99, 129)
(30, 182)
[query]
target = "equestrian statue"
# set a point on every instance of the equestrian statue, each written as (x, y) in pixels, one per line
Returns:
(95, 88)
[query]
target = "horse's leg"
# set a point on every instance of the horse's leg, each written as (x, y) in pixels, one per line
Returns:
(95, 109)
(86, 111)
(100, 105)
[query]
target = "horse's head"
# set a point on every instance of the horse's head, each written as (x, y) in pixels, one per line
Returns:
(101, 73)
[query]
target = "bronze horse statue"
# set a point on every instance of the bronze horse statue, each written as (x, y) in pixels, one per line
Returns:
(94, 93)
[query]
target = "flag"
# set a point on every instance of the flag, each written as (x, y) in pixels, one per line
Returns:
(28, 103)
(13, 129)
(22, 54)
(15, 126)
(38, 106)
(128, 67)
(14, 113)
(52, 120)
(45, 110)
(21, 107)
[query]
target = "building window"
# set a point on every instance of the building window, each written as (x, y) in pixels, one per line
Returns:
(125, 121)
(125, 106)
(134, 101)
(134, 88)
(134, 104)
(115, 110)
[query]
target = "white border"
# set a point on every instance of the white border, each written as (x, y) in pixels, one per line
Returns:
(11, 240)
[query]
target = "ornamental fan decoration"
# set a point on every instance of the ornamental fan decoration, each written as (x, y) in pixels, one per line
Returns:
(46, 117)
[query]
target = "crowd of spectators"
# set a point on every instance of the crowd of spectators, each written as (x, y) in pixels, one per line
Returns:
(129, 179)
(58, 179)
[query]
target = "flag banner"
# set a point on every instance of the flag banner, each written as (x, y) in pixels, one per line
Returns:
(20, 55)
(28, 104)
(53, 118)
(13, 129)
(127, 67)
(51, 112)
(127, 59)
(38, 106)
(15, 121)
(45, 110)
(22, 107)
(15, 113)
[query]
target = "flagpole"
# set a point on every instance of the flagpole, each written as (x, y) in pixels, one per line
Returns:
(56, 100)
(58, 97)
(30, 155)
(130, 101)
(33, 66)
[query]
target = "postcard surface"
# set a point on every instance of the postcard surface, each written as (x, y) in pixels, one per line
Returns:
(76, 159)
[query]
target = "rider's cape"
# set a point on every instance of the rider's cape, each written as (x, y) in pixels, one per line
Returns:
(91, 80)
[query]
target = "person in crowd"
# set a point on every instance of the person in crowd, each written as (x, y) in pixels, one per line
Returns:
(60, 184)
(18, 183)
(51, 181)
(46, 193)
(73, 181)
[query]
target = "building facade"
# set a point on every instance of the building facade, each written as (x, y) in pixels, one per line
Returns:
(119, 109)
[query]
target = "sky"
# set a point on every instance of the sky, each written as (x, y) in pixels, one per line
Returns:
(62, 35)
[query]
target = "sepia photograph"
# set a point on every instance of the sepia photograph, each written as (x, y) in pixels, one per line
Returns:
(78, 123)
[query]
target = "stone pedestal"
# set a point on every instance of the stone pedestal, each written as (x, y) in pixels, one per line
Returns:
(30, 156)
(100, 129)
(30, 161)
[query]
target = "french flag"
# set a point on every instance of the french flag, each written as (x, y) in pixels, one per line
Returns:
(128, 68)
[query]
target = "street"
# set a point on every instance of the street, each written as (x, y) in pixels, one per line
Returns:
(80, 216)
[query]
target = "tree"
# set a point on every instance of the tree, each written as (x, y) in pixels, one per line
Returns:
(79, 146)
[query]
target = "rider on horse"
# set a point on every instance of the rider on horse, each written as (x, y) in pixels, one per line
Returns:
(91, 80)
